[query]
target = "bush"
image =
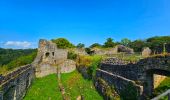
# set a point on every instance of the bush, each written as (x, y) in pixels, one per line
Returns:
(62, 43)
(72, 56)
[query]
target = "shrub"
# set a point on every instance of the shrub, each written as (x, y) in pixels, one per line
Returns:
(72, 56)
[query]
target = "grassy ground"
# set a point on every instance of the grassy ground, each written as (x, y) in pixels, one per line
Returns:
(75, 85)
(165, 85)
(45, 88)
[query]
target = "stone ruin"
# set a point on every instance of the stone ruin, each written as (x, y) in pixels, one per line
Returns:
(50, 59)
(111, 51)
(146, 52)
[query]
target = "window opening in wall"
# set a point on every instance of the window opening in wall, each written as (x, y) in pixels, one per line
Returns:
(47, 54)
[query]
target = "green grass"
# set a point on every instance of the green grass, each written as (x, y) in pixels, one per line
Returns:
(165, 85)
(45, 88)
(75, 85)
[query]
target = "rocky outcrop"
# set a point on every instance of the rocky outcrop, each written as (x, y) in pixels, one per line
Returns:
(49, 58)
(125, 49)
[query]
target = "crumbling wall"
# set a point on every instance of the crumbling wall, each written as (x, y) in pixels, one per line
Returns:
(14, 85)
(49, 58)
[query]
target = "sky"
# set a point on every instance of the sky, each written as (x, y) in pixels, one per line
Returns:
(24, 22)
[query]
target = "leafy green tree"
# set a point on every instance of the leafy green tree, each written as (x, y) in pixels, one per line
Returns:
(138, 45)
(63, 43)
(109, 43)
(80, 45)
(125, 41)
(95, 45)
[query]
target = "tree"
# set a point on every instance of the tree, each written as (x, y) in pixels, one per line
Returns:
(95, 45)
(109, 43)
(125, 41)
(63, 43)
(80, 45)
(138, 45)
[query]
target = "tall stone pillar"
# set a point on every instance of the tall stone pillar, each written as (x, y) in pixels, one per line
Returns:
(149, 84)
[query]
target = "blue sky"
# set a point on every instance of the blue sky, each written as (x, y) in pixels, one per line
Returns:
(24, 22)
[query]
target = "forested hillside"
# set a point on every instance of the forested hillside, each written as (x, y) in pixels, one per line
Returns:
(12, 58)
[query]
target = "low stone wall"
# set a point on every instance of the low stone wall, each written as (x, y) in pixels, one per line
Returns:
(14, 85)
(120, 83)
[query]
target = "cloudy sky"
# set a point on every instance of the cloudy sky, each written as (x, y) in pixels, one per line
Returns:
(24, 22)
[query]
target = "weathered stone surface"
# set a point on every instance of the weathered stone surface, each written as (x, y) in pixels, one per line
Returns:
(14, 85)
(67, 66)
(80, 51)
(141, 72)
(146, 52)
(111, 51)
(125, 49)
(49, 57)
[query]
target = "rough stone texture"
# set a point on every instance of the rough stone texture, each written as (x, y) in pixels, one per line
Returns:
(125, 49)
(49, 57)
(119, 82)
(141, 72)
(146, 52)
(68, 66)
(80, 51)
(111, 51)
(14, 85)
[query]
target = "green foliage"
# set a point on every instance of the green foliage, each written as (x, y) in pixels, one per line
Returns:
(138, 45)
(7, 55)
(23, 60)
(109, 43)
(94, 65)
(45, 88)
(75, 85)
(129, 93)
(72, 56)
(164, 86)
(156, 43)
(125, 41)
(80, 45)
(110, 92)
(96, 45)
(63, 43)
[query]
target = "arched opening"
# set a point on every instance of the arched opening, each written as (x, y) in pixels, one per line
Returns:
(47, 54)
(150, 79)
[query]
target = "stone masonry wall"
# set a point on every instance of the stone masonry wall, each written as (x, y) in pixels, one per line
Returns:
(14, 85)
(120, 83)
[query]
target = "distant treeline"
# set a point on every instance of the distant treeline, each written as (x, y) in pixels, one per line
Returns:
(12, 58)
(156, 43)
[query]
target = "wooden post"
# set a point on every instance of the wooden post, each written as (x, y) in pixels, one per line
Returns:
(168, 96)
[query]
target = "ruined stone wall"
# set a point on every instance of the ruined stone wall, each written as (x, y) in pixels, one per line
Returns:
(49, 58)
(120, 83)
(142, 72)
(14, 85)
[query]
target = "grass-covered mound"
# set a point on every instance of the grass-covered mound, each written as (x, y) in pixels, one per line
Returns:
(45, 88)
(75, 85)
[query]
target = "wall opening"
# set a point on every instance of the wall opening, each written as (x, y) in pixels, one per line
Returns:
(53, 53)
(47, 54)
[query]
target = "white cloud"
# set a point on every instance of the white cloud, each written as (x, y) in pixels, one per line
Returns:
(21, 44)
